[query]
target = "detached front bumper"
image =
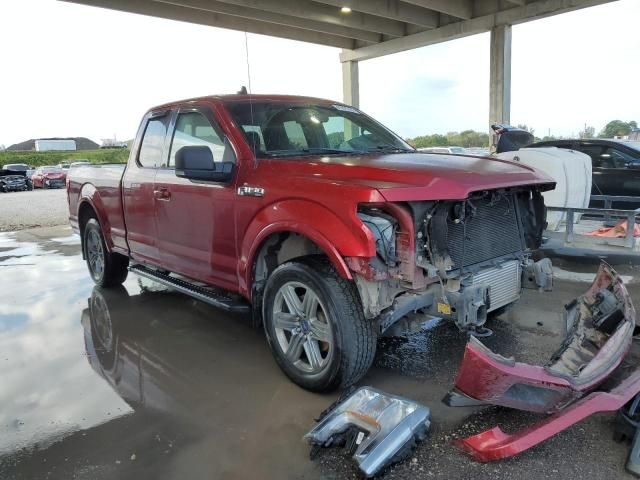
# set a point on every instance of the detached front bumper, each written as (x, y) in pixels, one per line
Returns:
(494, 444)
(600, 326)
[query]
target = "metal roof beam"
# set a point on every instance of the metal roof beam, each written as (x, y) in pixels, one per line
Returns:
(173, 12)
(456, 8)
(392, 9)
(325, 13)
(531, 11)
(269, 17)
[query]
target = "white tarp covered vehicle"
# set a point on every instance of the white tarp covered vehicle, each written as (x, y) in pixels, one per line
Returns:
(570, 169)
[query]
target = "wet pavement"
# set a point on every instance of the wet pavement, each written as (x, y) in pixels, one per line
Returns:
(139, 382)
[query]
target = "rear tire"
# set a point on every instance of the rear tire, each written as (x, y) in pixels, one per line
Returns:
(106, 269)
(327, 343)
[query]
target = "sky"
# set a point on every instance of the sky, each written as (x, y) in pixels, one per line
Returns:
(73, 70)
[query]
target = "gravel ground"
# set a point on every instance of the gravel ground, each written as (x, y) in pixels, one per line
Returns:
(38, 208)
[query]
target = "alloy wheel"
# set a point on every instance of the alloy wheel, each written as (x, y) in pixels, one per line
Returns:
(95, 253)
(302, 329)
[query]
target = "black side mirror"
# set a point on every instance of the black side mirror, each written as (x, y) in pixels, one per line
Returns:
(196, 163)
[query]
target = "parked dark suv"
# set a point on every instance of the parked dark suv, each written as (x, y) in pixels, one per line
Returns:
(616, 166)
(13, 178)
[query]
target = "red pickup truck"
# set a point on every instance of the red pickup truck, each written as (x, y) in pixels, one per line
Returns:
(326, 225)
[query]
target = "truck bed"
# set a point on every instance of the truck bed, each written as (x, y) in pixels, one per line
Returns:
(103, 184)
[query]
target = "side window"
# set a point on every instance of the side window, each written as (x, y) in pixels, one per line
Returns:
(193, 128)
(152, 143)
(594, 152)
(617, 158)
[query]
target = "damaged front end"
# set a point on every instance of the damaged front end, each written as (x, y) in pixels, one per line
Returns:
(453, 259)
(600, 328)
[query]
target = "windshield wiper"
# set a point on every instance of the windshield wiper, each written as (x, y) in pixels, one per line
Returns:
(389, 149)
(332, 150)
(310, 151)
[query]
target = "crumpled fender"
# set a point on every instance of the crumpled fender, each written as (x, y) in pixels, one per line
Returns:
(320, 225)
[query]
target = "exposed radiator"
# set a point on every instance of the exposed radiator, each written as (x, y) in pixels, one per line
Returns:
(491, 232)
(503, 281)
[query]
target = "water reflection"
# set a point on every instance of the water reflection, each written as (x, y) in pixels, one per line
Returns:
(47, 390)
(209, 373)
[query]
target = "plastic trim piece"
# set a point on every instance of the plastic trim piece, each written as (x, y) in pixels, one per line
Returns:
(600, 327)
(386, 424)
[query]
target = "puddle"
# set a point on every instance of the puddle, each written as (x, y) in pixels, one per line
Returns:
(92, 378)
(48, 388)
(73, 239)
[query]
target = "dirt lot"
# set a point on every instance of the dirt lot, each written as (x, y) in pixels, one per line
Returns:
(39, 208)
(140, 382)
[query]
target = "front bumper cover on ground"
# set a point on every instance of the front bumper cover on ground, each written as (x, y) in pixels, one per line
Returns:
(600, 326)
(379, 427)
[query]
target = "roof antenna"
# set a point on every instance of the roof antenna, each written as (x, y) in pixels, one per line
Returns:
(242, 91)
(246, 49)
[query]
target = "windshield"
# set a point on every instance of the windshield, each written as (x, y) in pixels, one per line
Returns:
(276, 129)
(633, 144)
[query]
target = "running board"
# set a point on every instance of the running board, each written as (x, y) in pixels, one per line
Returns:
(198, 292)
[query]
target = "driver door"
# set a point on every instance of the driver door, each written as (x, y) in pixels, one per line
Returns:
(195, 218)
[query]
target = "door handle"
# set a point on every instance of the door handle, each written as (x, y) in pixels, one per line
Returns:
(162, 194)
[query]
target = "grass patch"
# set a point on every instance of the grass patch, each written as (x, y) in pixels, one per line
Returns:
(36, 159)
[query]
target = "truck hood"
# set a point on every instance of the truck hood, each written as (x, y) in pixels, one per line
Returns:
(419, 176)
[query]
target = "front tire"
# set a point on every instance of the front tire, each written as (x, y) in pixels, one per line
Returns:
(315, 326)
(106, 269)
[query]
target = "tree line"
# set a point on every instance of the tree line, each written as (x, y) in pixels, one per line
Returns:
(471, 138)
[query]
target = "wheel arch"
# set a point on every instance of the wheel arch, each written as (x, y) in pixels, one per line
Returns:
(283, 242)
(335, 236)
(280, 243)
(91, 206)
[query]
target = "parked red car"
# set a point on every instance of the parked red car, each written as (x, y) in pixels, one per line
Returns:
(49, 177)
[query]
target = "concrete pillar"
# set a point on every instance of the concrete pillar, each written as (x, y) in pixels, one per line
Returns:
(500, 75)
(350, 84)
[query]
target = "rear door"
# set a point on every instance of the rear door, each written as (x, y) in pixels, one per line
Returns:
(622, 174)
(195, 219)
(138, 188)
